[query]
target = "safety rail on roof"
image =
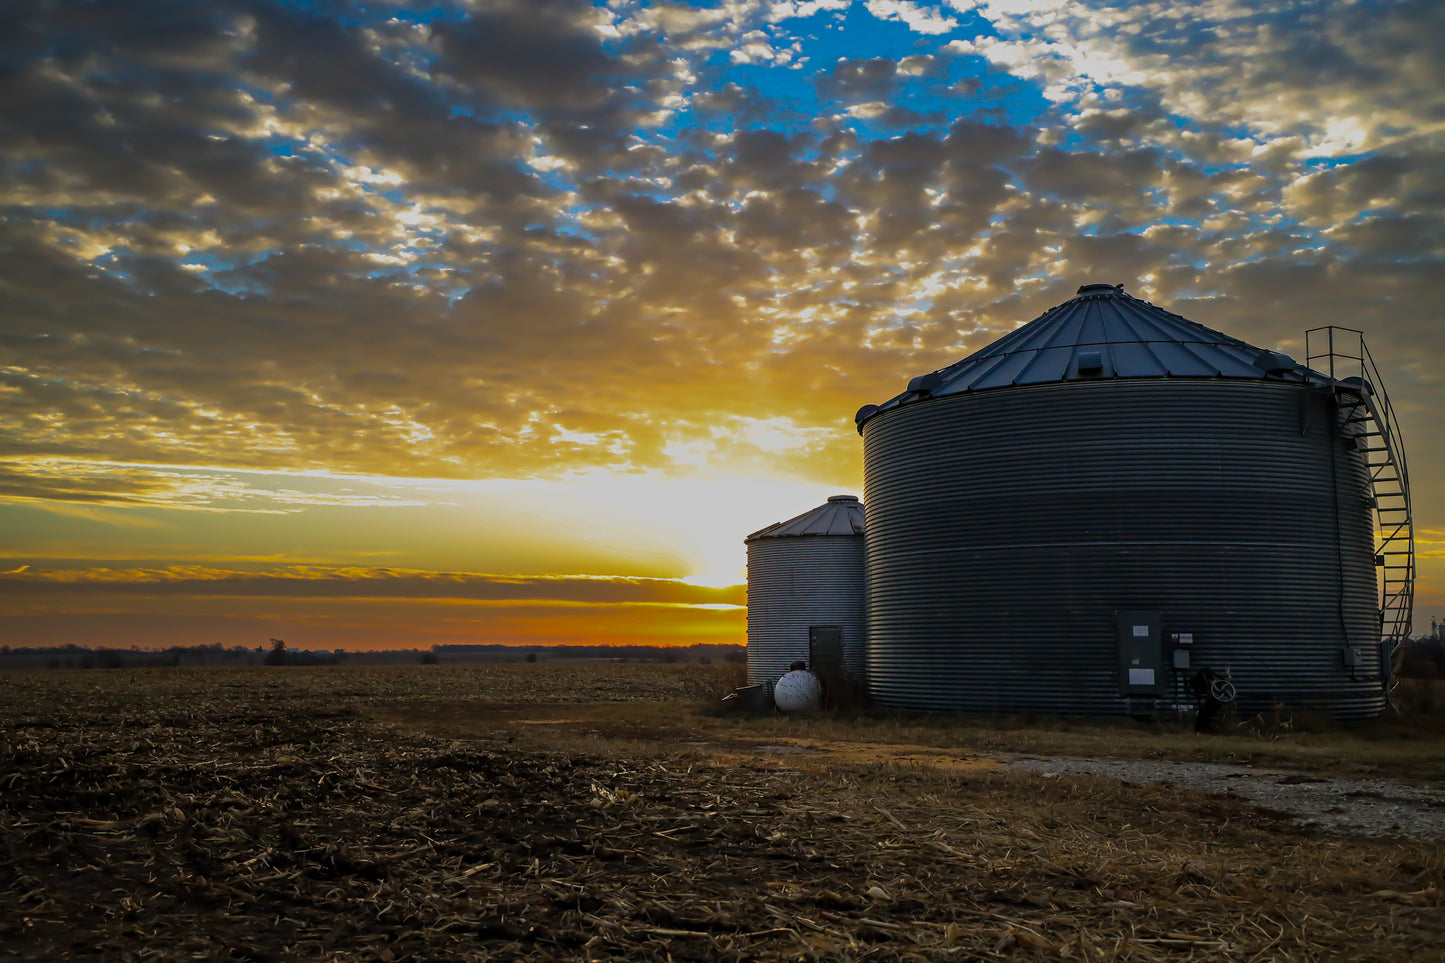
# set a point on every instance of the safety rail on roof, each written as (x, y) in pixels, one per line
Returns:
(1360, 393)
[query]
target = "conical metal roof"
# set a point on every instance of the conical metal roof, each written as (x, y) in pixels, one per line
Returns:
(842, 515)
(1102, 333)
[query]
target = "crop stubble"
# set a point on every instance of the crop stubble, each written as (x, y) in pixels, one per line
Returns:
(248, 814)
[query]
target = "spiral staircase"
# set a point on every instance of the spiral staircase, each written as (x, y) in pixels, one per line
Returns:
(1341, 355)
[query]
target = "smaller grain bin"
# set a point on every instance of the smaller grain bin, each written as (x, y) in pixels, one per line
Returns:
(805, 590)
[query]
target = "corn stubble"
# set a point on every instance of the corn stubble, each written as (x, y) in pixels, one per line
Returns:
(250, 814)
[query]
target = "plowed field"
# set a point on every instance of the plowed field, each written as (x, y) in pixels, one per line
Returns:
(578, 812)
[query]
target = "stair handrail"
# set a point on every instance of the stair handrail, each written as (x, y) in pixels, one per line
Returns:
(1377, 402)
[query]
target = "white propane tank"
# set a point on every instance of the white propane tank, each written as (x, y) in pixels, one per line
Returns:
(798, 691)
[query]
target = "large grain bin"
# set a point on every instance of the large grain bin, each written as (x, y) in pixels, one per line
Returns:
(1060, 519)
(805, 581)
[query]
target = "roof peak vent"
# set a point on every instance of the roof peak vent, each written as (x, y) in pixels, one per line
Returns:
(1100, 289)
(842, 498)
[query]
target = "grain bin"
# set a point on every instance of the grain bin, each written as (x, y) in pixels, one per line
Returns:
(1077, 517)
(805, 582)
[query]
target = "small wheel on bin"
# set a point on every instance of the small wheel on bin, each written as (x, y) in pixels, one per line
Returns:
(1221, 690)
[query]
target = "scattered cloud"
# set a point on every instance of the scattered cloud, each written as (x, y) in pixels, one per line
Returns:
(920, 18)
(56, 480)
(361, 583)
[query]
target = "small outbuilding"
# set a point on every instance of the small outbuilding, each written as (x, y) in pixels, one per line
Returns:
(805, 591)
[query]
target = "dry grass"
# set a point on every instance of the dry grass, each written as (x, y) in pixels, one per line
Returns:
(498, 813)
(1421, 703)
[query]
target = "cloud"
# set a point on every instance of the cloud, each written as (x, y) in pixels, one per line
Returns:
(856, 81)
(778, 10)
(1387, 183)
(535, 54)
(917, 17)
(51, 480)
(1345, 77)
(356, 583)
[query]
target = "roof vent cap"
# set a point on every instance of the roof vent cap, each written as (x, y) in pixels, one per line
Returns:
(1358, 384)
(842, 498)
(1100, 289)
(1273, 362)
(1091, 362)
(926, 384)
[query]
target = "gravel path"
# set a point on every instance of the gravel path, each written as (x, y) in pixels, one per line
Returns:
(1360, 807)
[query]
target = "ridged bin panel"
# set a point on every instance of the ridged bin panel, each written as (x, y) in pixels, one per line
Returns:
(800, 581)
(1006, 529)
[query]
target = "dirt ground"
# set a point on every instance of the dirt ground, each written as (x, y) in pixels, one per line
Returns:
(602, 812)
(1313, 797)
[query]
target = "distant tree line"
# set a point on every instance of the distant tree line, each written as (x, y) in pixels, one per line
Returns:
(79, 657)
(614, 653)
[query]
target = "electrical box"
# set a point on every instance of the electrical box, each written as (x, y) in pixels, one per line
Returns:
(1181, 658)
(1141, 652)
(1352, 657)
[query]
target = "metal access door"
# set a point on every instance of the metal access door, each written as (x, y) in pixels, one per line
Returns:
(825, 647)
(1141, 652)
(825, 658)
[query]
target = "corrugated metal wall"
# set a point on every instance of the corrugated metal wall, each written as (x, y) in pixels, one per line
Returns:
(799, 581)
(1006, 528)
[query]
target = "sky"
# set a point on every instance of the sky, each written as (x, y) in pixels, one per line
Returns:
(390, 324)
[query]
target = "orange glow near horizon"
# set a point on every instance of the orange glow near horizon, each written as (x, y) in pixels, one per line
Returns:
(372, 624)
(355, 576)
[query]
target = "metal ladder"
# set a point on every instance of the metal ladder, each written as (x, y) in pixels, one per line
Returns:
(1360, 396)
